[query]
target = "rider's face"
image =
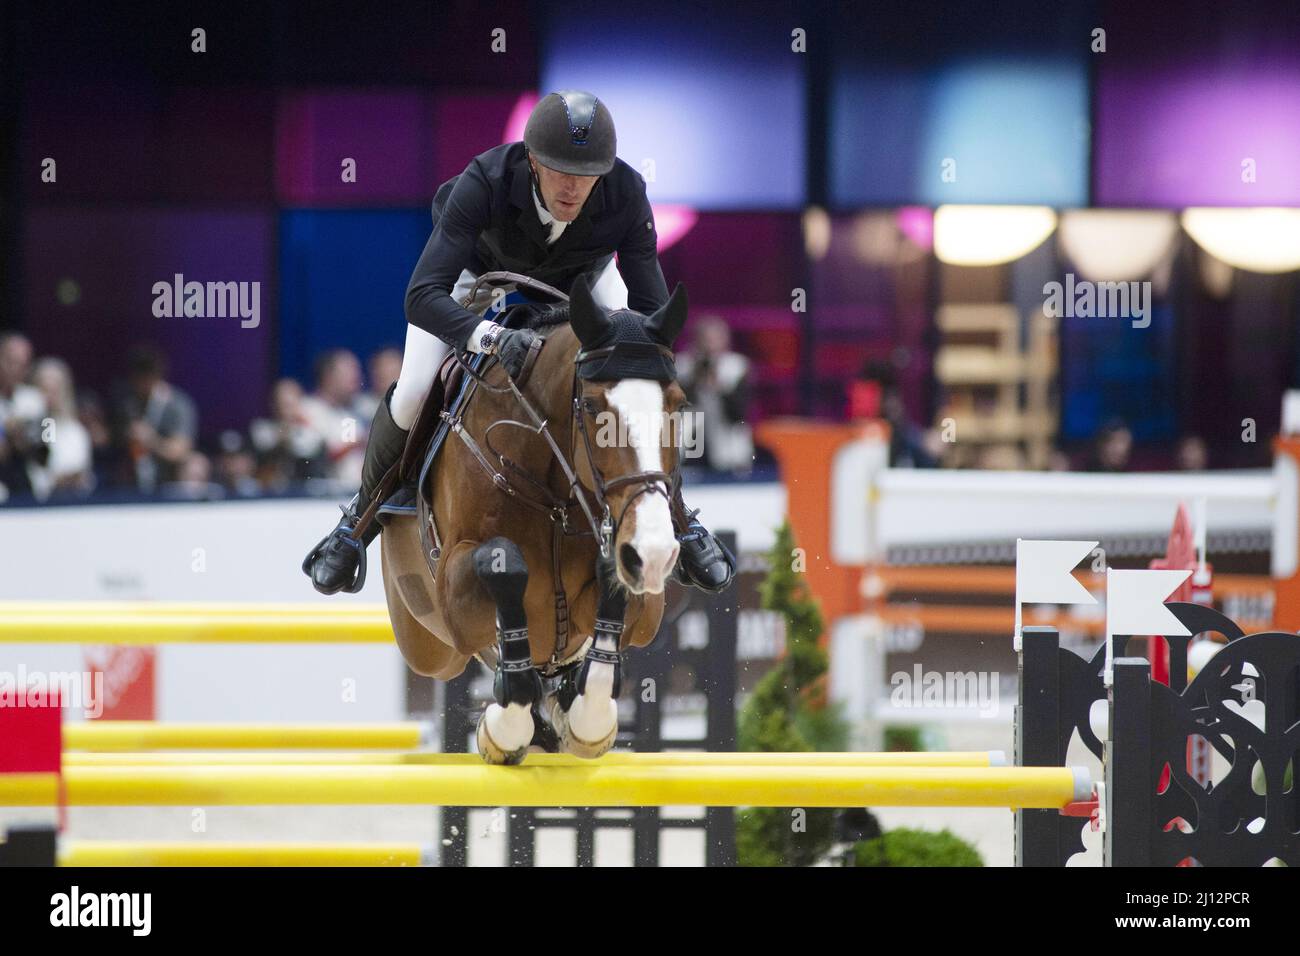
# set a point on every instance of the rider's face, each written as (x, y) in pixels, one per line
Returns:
(563, 194)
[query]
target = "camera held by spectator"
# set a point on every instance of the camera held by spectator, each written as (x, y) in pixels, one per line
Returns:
(716, 380)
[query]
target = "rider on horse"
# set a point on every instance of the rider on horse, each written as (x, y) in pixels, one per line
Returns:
(554, 207)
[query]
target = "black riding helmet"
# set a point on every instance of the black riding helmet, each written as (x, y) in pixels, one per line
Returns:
(572, 132)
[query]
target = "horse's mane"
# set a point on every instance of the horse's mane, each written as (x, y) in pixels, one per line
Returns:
(544, 319)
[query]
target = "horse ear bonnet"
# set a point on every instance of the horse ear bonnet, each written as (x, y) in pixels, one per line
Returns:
(634, 340)
(635, 353)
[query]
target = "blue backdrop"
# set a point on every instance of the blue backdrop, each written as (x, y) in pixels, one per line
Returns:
(343, 277)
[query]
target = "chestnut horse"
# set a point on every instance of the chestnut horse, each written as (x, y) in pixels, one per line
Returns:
(549, 541)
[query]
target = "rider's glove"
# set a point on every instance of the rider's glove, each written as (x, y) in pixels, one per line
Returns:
(512, 347)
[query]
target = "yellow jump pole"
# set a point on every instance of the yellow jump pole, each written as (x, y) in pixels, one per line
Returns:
(136, 629)
(193, 853)
(135, 735)
(98, 609)
(597, 786)
(617, 758)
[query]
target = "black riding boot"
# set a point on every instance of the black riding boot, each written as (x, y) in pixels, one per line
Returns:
(338, 563)
(703, 560)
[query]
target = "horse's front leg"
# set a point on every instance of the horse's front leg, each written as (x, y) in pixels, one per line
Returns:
(585, 710)
(506, 727)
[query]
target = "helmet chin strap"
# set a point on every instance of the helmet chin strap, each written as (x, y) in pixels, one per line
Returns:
(537, 184)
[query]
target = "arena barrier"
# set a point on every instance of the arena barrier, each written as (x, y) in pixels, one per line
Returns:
(908, 553)
(974, 758)
(118, 853)
(552, 786)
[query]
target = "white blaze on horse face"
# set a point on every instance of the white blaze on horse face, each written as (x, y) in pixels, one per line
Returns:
(639, 404)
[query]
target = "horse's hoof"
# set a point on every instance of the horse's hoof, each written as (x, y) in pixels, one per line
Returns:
(588, 750)
(492, 752)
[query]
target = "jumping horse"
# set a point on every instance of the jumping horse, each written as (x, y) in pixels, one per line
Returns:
(541, 538)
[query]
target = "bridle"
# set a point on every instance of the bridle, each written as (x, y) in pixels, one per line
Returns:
(648, 482)
(601, 523)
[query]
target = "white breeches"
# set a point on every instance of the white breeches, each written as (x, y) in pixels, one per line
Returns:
(424, 352)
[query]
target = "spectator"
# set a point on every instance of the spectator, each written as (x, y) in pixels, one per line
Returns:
(1193, 455)
(22, 408)
(876, 394)
(156, 422)
(1112, 448)
(193, 481)
(288, 449)
(91, 414)
(67, 470)
(236, 468)
(98, 424)
(716, 381)
(384, 367)
(334, 412)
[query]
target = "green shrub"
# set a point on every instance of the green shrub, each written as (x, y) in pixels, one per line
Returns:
(904, 738)
(787, 712)
(908, 847)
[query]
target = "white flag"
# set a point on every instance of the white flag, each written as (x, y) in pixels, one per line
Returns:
(1043, 576)
(1135, 604)
(1043, 572)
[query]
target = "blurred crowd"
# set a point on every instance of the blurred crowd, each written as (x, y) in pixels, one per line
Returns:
(143, 437)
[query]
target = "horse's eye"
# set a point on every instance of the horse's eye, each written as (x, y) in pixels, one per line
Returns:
(589, 406)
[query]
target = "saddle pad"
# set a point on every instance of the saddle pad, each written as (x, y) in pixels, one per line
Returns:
(400, 502)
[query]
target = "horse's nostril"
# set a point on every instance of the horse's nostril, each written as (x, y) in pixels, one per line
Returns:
(631, 560)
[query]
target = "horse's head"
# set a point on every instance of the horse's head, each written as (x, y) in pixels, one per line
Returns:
(629, 417)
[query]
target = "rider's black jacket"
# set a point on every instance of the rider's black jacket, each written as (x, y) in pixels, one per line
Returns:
(485, 220)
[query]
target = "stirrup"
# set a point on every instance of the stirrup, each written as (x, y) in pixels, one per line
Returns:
(696, 532)
(342, 533)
